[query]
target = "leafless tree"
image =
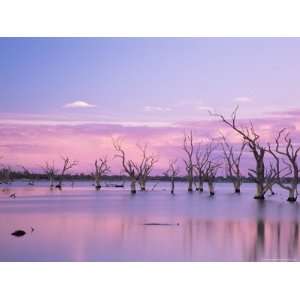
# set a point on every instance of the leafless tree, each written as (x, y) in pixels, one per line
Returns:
(5, 174)
(286, 154)
(28, 175)
(67, 165)
(50, 171)
(172, 172)
(188, 148)
(201, 160)
(128, 165)
(210, 173)
(144, 168)
(262, 178)
(101, 169)
(233, 160)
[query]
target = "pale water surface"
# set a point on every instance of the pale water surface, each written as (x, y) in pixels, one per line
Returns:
(81, 224)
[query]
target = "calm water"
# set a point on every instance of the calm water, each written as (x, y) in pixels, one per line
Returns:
(80, 224)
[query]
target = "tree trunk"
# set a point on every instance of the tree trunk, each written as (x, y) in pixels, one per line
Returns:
(98, 184)
(200, 188)
(172, 186)
(237, 186)
(133, 186)
(292, 195)
(190, 183)
(260, 194)
(143, 185)
(211, 188)
(51, 182)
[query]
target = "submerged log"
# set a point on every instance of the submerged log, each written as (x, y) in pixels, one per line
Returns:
(18, 233)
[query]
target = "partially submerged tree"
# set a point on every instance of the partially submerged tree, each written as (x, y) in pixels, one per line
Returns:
(252, 138)
(128, 165)
(233, 159)
(67, 165)
(144, 168)
(201, 160)
(5, 175)
(188, 148)
(172, 172)
(101, 169)
(286, 154)
(28, 175)
(51, 172)
(210, 175)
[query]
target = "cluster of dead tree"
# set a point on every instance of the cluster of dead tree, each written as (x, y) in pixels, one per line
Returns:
(275, 163)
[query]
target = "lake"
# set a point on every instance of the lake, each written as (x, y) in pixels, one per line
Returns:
(81, 224)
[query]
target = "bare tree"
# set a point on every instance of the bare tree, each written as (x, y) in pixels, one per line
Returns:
(210, 175)
(172, 172)
(145, 167)
(101, 169)
(202, 157)
(262, 178)
(188, 148)
(51, 172)
(128, 165)
(28, 175)
(287, 156)
(5, 174)
(68, 164)
(233, 160)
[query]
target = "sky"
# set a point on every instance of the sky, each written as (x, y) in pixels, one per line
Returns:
(70, 96)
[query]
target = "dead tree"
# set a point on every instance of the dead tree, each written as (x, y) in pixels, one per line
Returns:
(172, 172)
(287, 155)
(101, 169)
(5, 175)
(202, 158)
(28, 175)
(51, 172)
(233, 160)
(188, 148)
(145, 167)
(210, 173)
(128, 165)
(250, 136)
(68, 164)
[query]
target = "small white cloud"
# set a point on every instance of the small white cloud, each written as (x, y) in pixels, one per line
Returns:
(243, 99)
(156, 109)
(200, 107)
(79, 104)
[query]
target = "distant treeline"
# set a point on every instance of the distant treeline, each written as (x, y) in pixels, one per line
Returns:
(89, 177)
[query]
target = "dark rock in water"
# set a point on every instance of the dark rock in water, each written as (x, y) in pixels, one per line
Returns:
(12, 195)
(161, 224)
(18, 233)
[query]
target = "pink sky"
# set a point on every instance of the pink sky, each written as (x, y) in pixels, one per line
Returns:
(32, 142)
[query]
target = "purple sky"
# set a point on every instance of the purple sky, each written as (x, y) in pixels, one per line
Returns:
(62, 96)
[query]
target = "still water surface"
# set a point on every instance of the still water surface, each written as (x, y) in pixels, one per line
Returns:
(81, 224)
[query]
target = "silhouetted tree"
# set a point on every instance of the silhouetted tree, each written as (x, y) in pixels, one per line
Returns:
(286, 154)
(67, 165)
(233, 160)
(101, 169)
(262, 178)
(172, 172)
(188, 148)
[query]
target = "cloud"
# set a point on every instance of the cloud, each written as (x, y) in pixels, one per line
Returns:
(206, 108)
(79, 104)
(156, 109)
(243, 99)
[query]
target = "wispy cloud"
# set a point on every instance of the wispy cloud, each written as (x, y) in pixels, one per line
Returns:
(156, 109)
(243, 99)
(79, 104)
(206, 108)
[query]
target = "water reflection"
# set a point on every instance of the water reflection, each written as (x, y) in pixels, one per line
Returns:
(122, 238)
